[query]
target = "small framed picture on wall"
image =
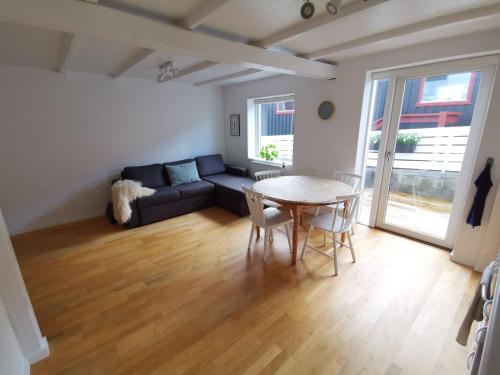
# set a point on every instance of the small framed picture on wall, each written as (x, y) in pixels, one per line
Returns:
(234, 125)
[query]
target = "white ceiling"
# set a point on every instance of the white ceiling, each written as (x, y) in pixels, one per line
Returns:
(26, 46)
(386, 16)
(239, 20)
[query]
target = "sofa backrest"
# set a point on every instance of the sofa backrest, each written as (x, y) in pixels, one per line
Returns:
(210, 164)
(151, 176)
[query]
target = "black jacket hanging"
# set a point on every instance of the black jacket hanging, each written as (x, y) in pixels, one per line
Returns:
(483, 184)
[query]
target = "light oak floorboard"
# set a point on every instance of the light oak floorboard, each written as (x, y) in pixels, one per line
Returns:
(183, 297)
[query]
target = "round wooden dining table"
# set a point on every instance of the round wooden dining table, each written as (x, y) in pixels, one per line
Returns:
(298, 193)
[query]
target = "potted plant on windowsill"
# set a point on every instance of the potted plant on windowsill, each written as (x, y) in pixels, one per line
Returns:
(407, 142)
(269, 152)
(374, 143)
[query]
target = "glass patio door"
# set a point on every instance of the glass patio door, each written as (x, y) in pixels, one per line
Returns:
(425, 149)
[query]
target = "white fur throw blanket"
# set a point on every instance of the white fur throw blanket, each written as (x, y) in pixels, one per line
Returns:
(123, 192)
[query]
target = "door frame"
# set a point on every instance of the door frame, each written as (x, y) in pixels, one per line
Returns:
(392, 110)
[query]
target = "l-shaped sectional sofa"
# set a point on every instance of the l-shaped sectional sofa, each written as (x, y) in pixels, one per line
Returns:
(220, 185)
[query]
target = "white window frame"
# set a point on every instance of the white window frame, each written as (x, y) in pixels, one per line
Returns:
(253, 136)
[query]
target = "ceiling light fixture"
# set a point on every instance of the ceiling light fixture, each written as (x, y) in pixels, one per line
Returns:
(167, 71)
(333, 6)
(307, 9)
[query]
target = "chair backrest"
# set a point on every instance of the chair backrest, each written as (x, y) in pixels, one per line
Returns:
(254, 201)
(345, 209)
(267, 174)
(354, 180)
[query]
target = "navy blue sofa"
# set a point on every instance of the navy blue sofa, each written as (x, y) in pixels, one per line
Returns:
(220, 185)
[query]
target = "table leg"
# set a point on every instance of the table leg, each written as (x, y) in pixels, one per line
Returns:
(257, 232)
(296, 222)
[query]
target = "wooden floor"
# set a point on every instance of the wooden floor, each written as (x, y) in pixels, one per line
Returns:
(183, 297)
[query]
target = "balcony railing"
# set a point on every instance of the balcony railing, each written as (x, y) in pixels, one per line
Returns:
(439, 149)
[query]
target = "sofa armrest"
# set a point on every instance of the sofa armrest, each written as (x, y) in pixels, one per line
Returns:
(236, 170)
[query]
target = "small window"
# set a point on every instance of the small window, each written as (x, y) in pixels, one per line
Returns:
(271, 129)
(283, 108)
(451, 89)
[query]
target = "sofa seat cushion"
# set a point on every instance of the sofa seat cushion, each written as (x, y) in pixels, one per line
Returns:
(164, 194)
(150, 175)
(229, 181)
(193, 189)
(209, 165)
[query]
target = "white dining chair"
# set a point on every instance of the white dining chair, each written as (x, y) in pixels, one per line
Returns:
(263, 175)
(351, 179)
(267, 218)
(336, 222)
(354, 180)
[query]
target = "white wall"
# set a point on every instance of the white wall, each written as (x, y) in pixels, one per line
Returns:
(64, 137)
(323, 146)
(308, 93)
(12, 360)
(17, 303)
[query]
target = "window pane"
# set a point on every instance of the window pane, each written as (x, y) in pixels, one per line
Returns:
(447, 88)
(429, 151)
(371, 161)
(276, 128)
(285, 107)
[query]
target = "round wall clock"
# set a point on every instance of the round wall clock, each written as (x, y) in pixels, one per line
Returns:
(326, 110)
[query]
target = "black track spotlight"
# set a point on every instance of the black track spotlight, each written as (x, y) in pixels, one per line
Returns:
(333, 6)
(307, 10)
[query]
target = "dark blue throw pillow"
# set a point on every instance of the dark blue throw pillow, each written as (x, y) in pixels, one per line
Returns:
(182, 173)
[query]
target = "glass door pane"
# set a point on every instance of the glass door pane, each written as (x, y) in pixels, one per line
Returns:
(377, 109)
(428, 150)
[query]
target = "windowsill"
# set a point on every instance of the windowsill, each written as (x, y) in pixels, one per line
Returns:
(274, 163)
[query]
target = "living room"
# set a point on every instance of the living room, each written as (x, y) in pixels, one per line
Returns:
(98, 93)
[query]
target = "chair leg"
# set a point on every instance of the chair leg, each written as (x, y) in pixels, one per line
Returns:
(305, 242)
(324, 238)
(335, 254)
(351, 248)
(252, 228)
(288, 237)
(266, 244)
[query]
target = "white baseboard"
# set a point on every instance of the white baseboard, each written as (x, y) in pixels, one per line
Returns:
(41, 354)
(55, 223)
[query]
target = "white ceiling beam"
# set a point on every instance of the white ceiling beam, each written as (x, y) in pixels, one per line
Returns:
(102, 22)
(193, 69)
(298, 29)
(437, 22)
(132, 61)
(206, 8)
(70, 43)
(228, 76)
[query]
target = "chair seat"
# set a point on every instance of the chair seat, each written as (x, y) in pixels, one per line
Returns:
(325, 222)
(340, 206)
(269, 203)
(275, 217)
(325, 209)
